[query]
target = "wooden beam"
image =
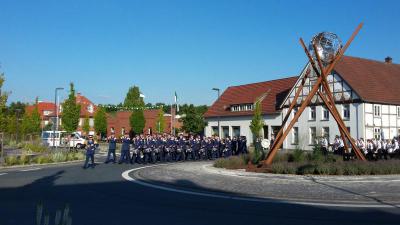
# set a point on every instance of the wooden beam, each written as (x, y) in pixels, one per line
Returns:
(314, 90)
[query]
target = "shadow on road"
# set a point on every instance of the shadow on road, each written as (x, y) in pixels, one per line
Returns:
(120, 202)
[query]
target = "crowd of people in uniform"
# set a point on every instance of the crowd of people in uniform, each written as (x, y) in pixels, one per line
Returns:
(155, 148)
(373, 149)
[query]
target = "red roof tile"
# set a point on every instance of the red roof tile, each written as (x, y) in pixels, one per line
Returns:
(42, 106)
(245, 94)
(85, 103)
(373, 81)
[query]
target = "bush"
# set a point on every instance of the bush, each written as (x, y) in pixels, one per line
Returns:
(296, 156)
(24, 159)
(233, 162)
(42, 159)
(38, 148)
(11, 160)
(58, 156)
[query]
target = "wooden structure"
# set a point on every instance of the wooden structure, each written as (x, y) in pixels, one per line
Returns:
(321, 89)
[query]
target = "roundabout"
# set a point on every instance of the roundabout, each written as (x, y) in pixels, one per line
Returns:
(202, 179)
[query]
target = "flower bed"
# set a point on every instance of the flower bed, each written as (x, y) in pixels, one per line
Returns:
(316, 163)
(52, 157)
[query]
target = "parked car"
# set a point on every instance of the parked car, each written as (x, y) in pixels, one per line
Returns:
(61, 139)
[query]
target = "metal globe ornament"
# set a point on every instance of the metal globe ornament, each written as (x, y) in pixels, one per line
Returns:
(327, 46)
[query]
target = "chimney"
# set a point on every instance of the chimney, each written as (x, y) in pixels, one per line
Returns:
(388, 60)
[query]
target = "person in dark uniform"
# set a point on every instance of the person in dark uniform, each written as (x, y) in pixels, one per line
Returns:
(209, 147)
(90, 150)
(154, 150)
(169, 145)
(228, 147)
(181, 149)
(125, 153)
(215, 147)
(146, 150)
(112, 145)
(135, 150)
(234, 146)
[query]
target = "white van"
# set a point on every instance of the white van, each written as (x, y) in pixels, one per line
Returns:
(62, 140)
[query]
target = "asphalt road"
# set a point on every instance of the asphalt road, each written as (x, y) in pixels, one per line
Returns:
(102, 196)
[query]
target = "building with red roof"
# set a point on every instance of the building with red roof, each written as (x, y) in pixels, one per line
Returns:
(366, 92)
(47, 111)
(118, 122)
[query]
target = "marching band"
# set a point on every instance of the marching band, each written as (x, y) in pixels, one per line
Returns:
(155, 148)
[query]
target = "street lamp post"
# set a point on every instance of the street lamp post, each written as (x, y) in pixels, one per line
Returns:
(219, 118)
(55, 126)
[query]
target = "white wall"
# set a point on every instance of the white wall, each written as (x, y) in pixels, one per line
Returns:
(304, 123)
(244, 123)
(388, 121)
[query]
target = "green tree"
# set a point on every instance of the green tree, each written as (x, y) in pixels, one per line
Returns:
(257, 122)
(3, 101)
(100, 121)
(26, 124)
(133, 99)
(71, 111)
(35, 119)
(86, 125)
(193, 121)
(137, 121)
(160, 122)
(16, 106)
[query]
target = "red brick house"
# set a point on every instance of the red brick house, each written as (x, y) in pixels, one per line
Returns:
(118, 122)
(46, 110)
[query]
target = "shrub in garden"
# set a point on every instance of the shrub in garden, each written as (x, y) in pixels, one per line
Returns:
(38, 148)
(58, 156)
(296, 156)
(233, 162)
(11, 160)
(24, 159)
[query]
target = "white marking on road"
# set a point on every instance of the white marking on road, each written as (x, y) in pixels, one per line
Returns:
(126, 176)
(1, 174)
(32, 169)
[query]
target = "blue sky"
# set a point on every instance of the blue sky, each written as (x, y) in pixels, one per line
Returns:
(175, 45)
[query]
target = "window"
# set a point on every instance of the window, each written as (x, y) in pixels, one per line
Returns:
(295, 135)
(265, 131)
(225, 132)
(312, 113)
(325, 133)
(235, 108)
(377, 110)
(214, 131)
(90, 108)
(313, 135)
(236, 131)
(242, 107)
(325, 113)
(398, 111)
(295, 110)
(47, 112)
(91, 122)
(346, 112)
(377, 133)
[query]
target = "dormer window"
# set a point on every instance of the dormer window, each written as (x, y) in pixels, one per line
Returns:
(90, 108)
(242, 107)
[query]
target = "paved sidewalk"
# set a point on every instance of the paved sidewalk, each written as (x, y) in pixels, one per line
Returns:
(203, 177)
